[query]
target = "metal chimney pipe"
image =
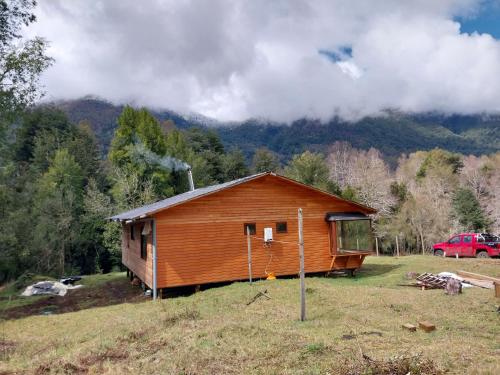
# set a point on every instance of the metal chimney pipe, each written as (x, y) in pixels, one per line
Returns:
(190, 178)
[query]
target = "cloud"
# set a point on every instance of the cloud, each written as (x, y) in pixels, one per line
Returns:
(280, 60)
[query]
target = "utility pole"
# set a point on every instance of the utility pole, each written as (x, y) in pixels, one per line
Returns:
(302, 275)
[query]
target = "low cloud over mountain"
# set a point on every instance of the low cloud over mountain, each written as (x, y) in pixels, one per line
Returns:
(280, 60)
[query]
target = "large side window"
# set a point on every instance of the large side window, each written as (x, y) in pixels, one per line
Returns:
(467, 239)
(455, 240)
(144, 245)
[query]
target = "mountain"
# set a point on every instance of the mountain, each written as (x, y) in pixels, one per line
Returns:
(393, 134)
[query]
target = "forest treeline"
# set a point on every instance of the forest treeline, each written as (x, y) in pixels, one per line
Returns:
(57, 187)
(57, 191)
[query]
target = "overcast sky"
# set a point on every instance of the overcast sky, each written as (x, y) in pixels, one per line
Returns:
(280, 60)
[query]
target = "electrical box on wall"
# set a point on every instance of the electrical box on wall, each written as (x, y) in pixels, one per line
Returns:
(268, 234)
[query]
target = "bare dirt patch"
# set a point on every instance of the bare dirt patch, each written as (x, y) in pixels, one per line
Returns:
(64, 367)
(401, 365)
(109, 293)
(112, 354)
(6, 348)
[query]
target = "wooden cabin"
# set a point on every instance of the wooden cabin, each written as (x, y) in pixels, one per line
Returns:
(201, 237)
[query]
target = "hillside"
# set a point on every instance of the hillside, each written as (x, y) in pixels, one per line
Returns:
(393, 134)
(102, 330)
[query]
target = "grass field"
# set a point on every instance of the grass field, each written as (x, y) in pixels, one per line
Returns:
(216, 332)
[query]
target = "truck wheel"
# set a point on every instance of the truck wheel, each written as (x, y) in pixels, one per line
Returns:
(482, 254)
(438, 252)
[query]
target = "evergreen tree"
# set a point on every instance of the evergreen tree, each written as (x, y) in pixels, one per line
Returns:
(234, 165)
(468, 211)
(138, 148)
(207, 145)
(58, 207)
(311, 169)
(265, 160)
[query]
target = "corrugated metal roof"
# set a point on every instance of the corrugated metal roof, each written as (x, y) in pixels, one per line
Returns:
(149, 209)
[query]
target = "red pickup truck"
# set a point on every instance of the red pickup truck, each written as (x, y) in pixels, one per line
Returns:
(479, 245)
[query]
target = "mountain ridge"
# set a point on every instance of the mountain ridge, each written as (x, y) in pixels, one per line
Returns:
(393, 134)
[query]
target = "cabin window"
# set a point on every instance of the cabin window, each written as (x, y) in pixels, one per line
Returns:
(281, 227)
(455, 239)
(467, 239)
(355, 235)
(144, 245)
(250, 226)
(132, 232)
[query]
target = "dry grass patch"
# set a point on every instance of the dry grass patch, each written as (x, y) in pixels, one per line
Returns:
(353, 327)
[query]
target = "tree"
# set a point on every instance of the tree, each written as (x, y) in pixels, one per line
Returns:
(21, 63)
(468, 211)
(35, 124)
(96, 251)
(234, 165)
(207, 145)
(136, 127)
(139, 149)
(440, 159)
(265, 160)
(311, 169)
(362, 175)
(58, 206)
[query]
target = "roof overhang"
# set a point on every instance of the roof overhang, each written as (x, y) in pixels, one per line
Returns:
(151, 209)
(346, 216)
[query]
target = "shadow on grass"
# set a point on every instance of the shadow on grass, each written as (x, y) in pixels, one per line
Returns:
(107, 293)
(372, 270)
(364, 273)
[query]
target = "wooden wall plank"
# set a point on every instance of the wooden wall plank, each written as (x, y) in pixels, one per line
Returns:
(203, 241)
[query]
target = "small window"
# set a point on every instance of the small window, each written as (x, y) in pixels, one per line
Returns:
(250, 226)
(467, 239)
(132, 233)
(144, 245)
(281, 227)
(455, 239)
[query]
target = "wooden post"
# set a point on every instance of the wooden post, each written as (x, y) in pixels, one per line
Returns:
(357, 244)
(422, 243)
(302, 275)
(249, 244)
(376, 245)
(397, 246)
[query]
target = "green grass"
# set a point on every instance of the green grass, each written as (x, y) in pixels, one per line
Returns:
(214, 331)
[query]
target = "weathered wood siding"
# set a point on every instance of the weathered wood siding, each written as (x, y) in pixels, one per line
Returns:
(131, 253)
(203, 241)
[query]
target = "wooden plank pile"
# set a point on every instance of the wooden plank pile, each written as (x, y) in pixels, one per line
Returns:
(452, 284)
(479, 280)
(431, 281)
